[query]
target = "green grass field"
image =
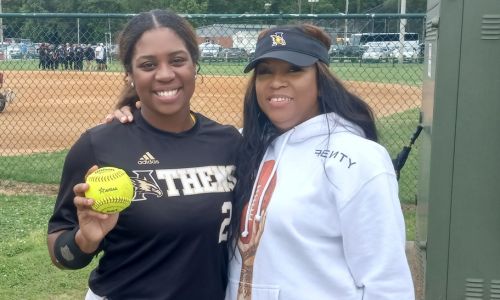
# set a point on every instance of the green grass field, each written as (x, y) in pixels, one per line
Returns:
(26, 271)
(43, 167)
(409, 74)
(395, 132)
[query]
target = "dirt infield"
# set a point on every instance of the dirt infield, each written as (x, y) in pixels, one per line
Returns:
(52, 108)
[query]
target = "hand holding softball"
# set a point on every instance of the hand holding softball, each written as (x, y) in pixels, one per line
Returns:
(111, 189)
(94, 226)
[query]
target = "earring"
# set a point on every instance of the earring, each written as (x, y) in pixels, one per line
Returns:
(132, 84)
(195, 76)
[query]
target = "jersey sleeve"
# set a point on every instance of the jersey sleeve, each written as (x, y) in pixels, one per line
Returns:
(79, 159)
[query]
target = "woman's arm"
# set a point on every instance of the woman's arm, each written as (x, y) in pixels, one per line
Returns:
(70, 249)
(373, 234)
(75, 231)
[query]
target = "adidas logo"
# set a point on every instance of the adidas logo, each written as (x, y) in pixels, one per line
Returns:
(148, 159)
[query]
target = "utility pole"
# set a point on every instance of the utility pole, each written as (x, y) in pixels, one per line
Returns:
(1, 24)
(402, 31)
(345, 21)
(299, 3)
(77, 30)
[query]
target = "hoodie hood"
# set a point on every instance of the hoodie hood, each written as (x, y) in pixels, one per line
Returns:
(324, 124)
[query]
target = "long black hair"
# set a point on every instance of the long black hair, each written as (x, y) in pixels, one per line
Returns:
(259, 131)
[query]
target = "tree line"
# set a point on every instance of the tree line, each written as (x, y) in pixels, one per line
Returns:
(211, 6)
(97, 30)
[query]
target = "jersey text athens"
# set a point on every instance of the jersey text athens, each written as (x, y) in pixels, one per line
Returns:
(184, 181)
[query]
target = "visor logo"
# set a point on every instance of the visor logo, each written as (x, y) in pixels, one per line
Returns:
(278, 39)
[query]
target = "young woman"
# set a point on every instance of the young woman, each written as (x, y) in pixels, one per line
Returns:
(317, 210)
(317, 214)
(171, 243)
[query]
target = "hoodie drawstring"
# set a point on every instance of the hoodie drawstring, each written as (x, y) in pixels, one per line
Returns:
(266, 186)
(249, 207)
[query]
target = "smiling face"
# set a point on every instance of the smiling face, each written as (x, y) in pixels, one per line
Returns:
(287, 94)
(163, 74)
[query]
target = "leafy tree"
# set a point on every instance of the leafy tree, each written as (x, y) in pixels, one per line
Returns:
(95, 30)
(211, 6)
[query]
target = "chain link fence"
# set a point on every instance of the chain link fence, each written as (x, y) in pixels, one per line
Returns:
(53, 87)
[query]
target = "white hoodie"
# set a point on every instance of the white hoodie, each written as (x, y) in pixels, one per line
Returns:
(332, 221)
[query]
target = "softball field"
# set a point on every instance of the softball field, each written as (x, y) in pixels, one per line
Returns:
(52, 108)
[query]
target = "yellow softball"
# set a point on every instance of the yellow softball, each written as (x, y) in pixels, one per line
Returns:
(111, 188)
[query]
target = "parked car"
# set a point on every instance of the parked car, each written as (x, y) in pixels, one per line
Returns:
(408, 51)
(345, 53)
(14, 52)
(209, 51)
(32, 52)
(233, 54)
(376, 54)
(251, 54)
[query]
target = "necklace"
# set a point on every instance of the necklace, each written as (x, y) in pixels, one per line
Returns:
(193, 118)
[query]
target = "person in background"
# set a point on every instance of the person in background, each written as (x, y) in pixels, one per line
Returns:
(58, 56)
(52, 57)
(105, 58)
(89, 57)
(68, 57)
(171, 242)
(316, 213)
(99, 57)
(43, 53)
(79, 55)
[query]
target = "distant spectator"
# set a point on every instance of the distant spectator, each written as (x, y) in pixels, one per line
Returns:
(100, 57)
(24, 50)
(71, 56)
(89, 57)
(105, 59)
(67, 57)
(78, 65)
(52, 56)
(43, 56)
(60, 57)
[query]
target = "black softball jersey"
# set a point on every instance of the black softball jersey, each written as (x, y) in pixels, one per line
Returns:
(170, 243)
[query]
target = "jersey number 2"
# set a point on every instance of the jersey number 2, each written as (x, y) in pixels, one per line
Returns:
(227, 207)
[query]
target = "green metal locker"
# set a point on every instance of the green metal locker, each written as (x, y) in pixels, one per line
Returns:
(458, 201)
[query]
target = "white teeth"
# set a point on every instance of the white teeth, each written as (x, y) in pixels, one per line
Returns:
(167, 93)
(280, 99)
